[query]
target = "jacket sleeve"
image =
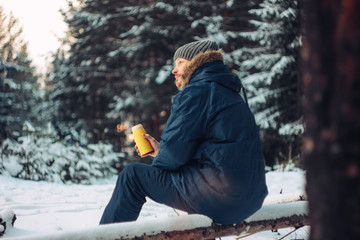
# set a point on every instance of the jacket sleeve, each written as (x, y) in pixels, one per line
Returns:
(183, 130)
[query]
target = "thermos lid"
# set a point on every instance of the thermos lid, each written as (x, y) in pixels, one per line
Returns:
(136, 127)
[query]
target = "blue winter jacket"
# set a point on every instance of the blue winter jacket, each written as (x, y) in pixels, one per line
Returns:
(211, 145)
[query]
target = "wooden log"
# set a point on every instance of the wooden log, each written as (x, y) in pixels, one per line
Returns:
(269, 217)
(216, 231)
(277, 217)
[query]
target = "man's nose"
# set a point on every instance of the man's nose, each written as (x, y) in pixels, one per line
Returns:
(174, 71)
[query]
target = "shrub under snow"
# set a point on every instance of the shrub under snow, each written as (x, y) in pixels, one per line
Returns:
(45, 159)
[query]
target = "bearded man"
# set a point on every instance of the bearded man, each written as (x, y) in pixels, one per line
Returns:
(209, 160)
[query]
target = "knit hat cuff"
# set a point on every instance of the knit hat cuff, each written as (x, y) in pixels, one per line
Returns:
(190, 50)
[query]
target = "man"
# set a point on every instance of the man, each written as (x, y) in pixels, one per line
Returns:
(209, 160)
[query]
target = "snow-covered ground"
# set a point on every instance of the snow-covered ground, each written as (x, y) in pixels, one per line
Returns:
(43, 207)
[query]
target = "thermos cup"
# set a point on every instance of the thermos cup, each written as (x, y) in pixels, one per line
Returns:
(142, 144)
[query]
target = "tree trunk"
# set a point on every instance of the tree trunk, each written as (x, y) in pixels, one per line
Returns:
(331, 70)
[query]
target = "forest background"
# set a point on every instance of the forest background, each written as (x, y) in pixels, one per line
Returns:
(113, 70)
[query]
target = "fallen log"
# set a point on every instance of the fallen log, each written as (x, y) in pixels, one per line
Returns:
(269, 217)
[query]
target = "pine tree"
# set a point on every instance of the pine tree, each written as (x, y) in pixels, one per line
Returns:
(28, 94)
(86, 76)
(80, 85)
(5, 102)
(18, 86)
(268, 68)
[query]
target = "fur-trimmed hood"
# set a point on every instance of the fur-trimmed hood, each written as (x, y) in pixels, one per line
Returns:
(210, 66)
(198, 61)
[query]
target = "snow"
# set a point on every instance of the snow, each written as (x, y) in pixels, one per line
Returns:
(292, 128)
(268, 212)
(12, 166)
(72, 211)
(230, 3)
(164, 73)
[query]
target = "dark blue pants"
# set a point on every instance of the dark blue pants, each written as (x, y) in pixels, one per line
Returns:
(136, 182)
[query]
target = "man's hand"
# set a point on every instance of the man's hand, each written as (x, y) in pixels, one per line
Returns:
(155, 145)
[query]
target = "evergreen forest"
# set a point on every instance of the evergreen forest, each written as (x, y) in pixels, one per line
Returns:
(113, 71)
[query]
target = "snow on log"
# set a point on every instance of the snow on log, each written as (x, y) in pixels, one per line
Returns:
(269, 217)
(285, 198)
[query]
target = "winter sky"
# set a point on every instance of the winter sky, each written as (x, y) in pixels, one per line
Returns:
(42, 25)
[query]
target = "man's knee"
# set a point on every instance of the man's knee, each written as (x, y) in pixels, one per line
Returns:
(129, 168)
(128, 172)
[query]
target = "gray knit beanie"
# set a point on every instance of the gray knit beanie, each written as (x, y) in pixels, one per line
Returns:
(190, 50)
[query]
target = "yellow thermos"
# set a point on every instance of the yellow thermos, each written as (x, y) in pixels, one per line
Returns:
(142, 143)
